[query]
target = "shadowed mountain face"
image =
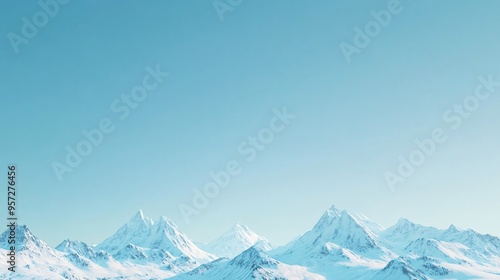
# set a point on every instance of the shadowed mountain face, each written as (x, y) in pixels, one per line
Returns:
(340, 246)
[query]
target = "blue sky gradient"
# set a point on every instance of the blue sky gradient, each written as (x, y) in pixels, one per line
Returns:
(353, 120)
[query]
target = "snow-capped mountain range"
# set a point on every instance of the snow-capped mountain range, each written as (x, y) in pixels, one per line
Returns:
(340, 246)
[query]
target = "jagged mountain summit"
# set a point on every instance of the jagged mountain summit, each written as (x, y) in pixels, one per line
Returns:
(79, 248)
(236, 240)
(338, 241)
(341, 245)
(335, 229)
(143, 232)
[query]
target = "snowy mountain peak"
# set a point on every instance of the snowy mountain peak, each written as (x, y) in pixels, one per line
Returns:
(337, 234)
(333, 214)
(453, 228)
(404, 222)
(82, 249)
(139, 217)
(333, 208)
(139, 214)
(400, 269)
(253, 256)
(405, 226)
(345, 230)
(334, 211)
(253, 263)
(24, 232)
(236, 240)
(327, 218)
(142, 232)
(68, 245)
(133, 232)
(74, 246)
(333, 218)
(239, 226)
(24, 239)
(405, 231)
(254, 251)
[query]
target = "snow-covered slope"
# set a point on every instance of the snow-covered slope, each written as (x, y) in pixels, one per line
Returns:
(235, 241)
(249, 265)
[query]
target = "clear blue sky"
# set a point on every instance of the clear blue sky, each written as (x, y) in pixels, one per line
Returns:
(352, 121)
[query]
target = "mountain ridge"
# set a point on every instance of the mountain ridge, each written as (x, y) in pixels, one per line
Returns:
(341, 245)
